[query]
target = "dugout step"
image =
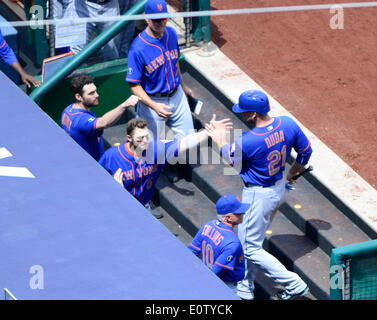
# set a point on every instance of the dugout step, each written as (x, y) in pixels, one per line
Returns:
(175, 228)
(213, 101)
(299, 254)
(319, 218)
(185, 203)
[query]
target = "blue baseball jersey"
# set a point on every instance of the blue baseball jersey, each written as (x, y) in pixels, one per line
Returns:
(263, 151)
(81, 126)
(153, 62)
(220, 250)
(140, 174)
(6, 52)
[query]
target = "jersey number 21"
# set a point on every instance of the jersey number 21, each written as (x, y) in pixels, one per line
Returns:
(277, 160)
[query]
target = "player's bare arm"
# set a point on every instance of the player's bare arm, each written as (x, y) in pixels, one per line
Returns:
(294, 170)
(221, 125)
(161, 109)
(113, 116)
(26, 78)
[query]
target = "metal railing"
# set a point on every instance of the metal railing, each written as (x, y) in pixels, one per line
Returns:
(88, 51)
(199, 27)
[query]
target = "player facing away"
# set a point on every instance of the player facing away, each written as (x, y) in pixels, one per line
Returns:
(154, 76)
(261, 154)
(79, 121)
(217, 244)
(137, 163)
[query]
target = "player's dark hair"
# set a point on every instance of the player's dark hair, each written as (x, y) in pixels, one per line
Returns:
(135, 123)
(79, 81)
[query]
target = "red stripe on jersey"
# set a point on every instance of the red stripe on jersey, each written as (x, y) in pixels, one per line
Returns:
(194, 246)
(221, 265)
(171, 68)
(133, 169)
(73, 114)
(304, 149)
(262, 134)
(132, 80)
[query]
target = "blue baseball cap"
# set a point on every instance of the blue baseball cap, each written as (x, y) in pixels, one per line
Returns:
(156, 6)
(252, 100)
(230, 203)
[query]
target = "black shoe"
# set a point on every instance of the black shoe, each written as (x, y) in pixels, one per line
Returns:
(171, 173)
(284, 295)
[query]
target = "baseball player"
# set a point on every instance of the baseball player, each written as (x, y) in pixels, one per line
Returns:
(8, 56)
(217, 244)
(137, 163)
(154, 76)
(81, 124)
(262, 153)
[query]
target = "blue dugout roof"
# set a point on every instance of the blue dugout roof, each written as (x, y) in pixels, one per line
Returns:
(65, 222)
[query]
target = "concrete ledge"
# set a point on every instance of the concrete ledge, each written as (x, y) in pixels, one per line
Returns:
(329, 169)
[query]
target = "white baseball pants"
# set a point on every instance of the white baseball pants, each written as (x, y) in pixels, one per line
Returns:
(180, 122)
(252, 234)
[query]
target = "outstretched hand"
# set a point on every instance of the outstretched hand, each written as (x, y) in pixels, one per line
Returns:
(224, 124)
(217, 129)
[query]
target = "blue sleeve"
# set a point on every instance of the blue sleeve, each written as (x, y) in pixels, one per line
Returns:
(302, 147)
(172, 149)
(226, 260)
(135, 66)
(163, 151)
(6, 52)
(233, 152)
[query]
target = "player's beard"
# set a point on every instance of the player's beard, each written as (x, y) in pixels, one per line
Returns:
(252, 123)
(90, 104)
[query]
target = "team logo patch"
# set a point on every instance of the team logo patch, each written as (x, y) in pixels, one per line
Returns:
(129, 70)
(91, 119)
(149, 184)
(229, 259)
(159, 7)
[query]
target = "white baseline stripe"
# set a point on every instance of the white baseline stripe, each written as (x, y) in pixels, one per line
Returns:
(39, 22)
